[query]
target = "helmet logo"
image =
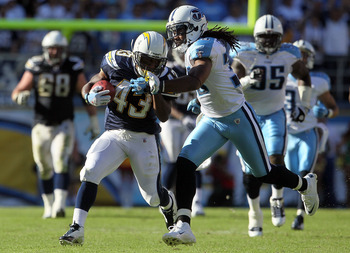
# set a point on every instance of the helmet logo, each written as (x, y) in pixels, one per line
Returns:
(147, 36)
(196, 15)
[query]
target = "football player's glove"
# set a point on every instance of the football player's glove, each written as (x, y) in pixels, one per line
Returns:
(22, 97)
(321, 111)
(139, 86)
(93, 128)
(255, 77)
(194, 106)
(298, 114)
(150, 83)
(97, 97)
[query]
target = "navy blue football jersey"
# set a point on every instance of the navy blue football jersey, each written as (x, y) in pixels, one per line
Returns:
(54, 88)
(128, 110)
(185, 97)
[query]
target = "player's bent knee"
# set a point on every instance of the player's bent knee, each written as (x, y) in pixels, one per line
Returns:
(88, 175)
(152, 200)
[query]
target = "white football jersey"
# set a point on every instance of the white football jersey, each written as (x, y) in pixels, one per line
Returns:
(221, 94)
(320, 83)
(267, 96)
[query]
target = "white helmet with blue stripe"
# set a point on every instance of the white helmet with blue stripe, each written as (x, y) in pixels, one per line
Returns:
(188, 21)
(268, 32)
(306, 47)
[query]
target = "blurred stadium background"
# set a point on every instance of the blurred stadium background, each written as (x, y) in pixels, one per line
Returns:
(95, 27)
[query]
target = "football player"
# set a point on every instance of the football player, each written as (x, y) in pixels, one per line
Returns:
(176, 129)
(307, 139)
(131, 129)
(55, 78)
(226, 115)
(263, 67)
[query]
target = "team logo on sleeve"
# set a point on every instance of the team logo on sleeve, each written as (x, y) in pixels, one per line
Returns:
(199, 54)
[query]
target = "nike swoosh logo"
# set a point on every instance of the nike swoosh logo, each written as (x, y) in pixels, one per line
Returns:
(180, 233)
(310, 211)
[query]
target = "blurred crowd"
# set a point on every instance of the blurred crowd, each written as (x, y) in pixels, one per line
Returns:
(324, 23)
(317, 21)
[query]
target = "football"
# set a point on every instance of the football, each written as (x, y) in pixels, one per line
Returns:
(106, 86)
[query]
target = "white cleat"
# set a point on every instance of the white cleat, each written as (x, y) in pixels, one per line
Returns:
(255, 223)
(181, 233)
(310, 196)
(278, 216)
(74, 236)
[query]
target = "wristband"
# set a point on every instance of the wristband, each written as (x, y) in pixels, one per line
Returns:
(86, 99)
(330, 113)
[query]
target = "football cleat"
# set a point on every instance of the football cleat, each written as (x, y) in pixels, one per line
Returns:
(74, 236)
(59, 214)
(278, 216)
(170, 214)
(310, 196)
(298, 223)
(181, 233)
(255, 223)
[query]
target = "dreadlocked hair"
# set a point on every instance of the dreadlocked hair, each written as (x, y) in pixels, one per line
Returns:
(222, 33)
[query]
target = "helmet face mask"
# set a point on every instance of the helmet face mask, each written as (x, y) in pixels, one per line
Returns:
(307, 51)
(150, 52)
(268, 43)
(186, 24)
(268, 34)
(54, 46)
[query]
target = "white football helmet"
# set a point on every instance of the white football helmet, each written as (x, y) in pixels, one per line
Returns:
(55, 39)
(150, 51)
(268, 32)
(306, 48)
(186, 20)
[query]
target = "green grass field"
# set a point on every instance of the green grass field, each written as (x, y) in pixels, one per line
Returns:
(113, 229)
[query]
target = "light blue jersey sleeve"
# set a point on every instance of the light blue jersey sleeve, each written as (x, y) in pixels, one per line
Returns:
(201, 48)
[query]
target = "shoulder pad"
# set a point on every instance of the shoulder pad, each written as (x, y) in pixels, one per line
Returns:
(290, 48)
(34, 62)
(322, 75)
(242, 47)
(78, 64)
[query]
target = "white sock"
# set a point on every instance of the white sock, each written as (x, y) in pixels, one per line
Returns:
(300, 183)
(60, 199)
(183, 211)
(254, 204)
(197, 196)
(79, 216)
(276, 193)
(48, 202)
